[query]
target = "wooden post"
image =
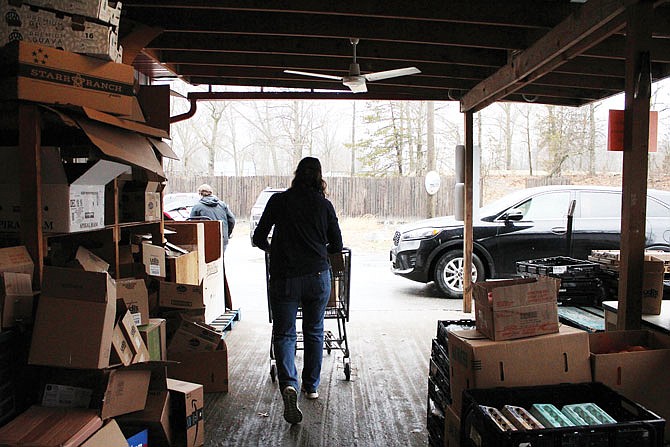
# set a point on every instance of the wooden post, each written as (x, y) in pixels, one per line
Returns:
(30, 166)
(467, 213)
(636, 142)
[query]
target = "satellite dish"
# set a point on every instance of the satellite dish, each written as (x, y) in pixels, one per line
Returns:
(432, 182)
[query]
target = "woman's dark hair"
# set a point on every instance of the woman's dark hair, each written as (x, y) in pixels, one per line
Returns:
(308, 174)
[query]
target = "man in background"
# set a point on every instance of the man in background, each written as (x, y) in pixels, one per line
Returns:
(212, 207)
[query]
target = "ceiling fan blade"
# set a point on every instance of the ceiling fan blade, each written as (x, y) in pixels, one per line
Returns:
(358, 87)
(314, 75)
(391, 73)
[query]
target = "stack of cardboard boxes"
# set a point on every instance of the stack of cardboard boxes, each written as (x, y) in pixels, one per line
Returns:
(519, 342)
(98, 359)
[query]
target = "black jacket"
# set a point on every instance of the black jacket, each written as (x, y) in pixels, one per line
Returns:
(306, 230)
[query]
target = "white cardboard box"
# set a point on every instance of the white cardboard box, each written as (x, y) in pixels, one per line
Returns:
(58, 31)
(100, 10)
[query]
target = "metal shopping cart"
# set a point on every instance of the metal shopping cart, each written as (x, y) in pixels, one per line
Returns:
(337, 309)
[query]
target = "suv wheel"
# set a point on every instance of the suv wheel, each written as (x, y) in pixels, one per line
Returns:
(449, 273)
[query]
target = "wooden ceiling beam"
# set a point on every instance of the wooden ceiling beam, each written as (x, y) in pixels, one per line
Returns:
(596, 20)
(518, 13)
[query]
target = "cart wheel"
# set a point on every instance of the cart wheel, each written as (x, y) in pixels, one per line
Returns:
(347, 371)
(273, 373)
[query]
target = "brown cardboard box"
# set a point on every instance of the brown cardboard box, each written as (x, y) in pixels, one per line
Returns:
(90, 261)
(452, 428)
(478, 362)
(50, 427)
(640, 375)
(155, 417)
(188, 421)
(181, 296)
(16, 299)
(154, 336)
(182, 268)
(74, 320)
(191, 336)
(203, 237)
(114, 391)
(140, 201)
(517, 307)
(16, 259)
(99, 10)
(652, 285)
(122, 351)
(207, 368)
(108, 436)
(133, 292)
(153, 258)
(129, 328)
(61, 77)
(59, 31)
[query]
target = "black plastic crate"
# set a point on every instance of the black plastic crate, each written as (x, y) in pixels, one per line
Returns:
(435, 424)
(558, 267)
(444, 326)
(636, 426)
(440, 355)
(441, 397)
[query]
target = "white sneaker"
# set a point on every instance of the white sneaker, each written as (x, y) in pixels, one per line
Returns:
(310, 394)
(292, 413)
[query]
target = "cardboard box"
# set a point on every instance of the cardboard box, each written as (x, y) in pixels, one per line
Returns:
(90, 261)
(182, 267)
(99, 10)
(108, 436)
(640, 375)
(50, 427)
(191, 336)
(66, 396)
(186, 415)
(652, 285)
(114, 391)
(205, 238)
(75, 203)
(133, 292)
(452, 428)
(181, 296)
(62, 77)
(155, 417)
(154, 336)
(207, 368)
(122, 349)
(478, 362)
(517, 308)
(74, 320)
(139, 439)
(16, 259)
(153, 258)
(44, 27)
(16, 299)
(140, 201)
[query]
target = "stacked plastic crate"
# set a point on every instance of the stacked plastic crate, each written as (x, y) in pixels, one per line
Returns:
(580, 280)
(439, 392)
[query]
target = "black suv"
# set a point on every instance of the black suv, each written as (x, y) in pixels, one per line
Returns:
(526, 224)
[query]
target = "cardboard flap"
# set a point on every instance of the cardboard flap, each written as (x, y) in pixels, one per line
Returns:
(163, 148)
(124, 124)
(52, 167)
(78, 284)
(122, 145)
(101, 173)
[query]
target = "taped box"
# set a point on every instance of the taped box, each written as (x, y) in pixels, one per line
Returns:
(57, 30)
(516, 308)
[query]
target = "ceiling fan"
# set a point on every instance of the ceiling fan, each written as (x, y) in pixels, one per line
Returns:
(355, 81)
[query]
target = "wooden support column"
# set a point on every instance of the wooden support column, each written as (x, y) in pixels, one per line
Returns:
(30, 166)
(635, 159)
(467, 213)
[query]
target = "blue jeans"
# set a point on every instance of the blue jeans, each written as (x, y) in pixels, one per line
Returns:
(311, 292)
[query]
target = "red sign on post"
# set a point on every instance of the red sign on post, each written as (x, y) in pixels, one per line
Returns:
(615, 130)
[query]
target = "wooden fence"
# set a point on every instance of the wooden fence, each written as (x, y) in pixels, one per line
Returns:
(398, 199)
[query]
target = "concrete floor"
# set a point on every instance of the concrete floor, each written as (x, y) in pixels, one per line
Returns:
(392, 322)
